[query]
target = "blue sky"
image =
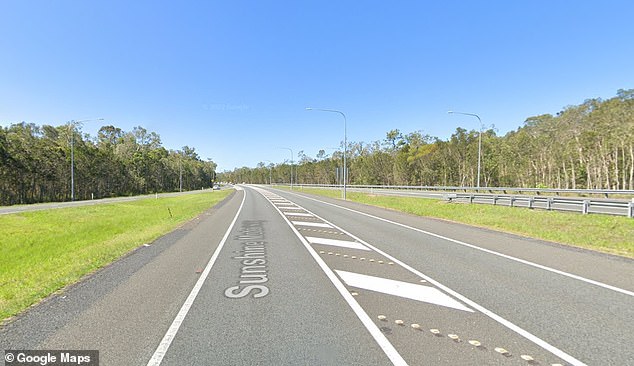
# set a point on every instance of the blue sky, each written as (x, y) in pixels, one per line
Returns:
(233, 78)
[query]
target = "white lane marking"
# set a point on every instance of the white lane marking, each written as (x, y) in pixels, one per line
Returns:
(533, 338)
(162, 348)
(303, 214)
(337, 243)
(523, 261)
(369, 324)
(291, 208)
(313, 224)
(401, 289)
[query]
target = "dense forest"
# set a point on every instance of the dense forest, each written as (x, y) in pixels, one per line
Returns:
(35, 164)
(590, 145)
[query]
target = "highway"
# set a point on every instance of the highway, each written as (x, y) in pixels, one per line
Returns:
(272, 277)
(6, 210)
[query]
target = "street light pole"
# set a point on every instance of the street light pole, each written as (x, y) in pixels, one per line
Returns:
(71, 126)
(291, 150)
(345, 144)
(479, 139)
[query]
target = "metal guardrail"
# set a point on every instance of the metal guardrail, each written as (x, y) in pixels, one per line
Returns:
(504, 190)
(539, 200)
(584, 206)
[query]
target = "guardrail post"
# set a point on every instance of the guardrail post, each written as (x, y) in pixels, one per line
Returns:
(549, 204)
(630, 209)
(585, 207)
(470, 198)
(512, 199)
(495, 200)
(530, 202)
(450, 196)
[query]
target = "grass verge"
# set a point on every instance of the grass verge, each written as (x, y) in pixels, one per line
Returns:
(604, 233)
(44, 251)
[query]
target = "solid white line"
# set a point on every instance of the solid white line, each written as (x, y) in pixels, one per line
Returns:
(538, 341)
(337, 243)
(401, 289)
(369, 324)
(313, 224)
(162, 348)
(529, 263)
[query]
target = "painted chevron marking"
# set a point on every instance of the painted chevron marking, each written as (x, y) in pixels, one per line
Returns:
(313, 224)
(337, 243)
(402, 289)
(298, 214)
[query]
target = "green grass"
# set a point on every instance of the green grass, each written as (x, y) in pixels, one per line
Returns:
(43, 251)
(609, 234)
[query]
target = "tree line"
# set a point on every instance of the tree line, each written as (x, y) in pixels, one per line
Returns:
(590, 145)
(35, 164)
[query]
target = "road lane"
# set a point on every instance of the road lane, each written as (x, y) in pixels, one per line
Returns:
(298, 280)
(409, 344)
(7, 210)
(590, 321)
(267, 302)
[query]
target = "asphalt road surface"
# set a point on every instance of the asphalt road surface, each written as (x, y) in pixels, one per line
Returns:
(282, 278)
(6, 210)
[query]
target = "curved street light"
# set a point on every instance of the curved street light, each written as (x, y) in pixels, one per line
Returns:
(345, 144)
(479, 139)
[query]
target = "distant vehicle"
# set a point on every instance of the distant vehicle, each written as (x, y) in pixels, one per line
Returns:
(216, 187)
